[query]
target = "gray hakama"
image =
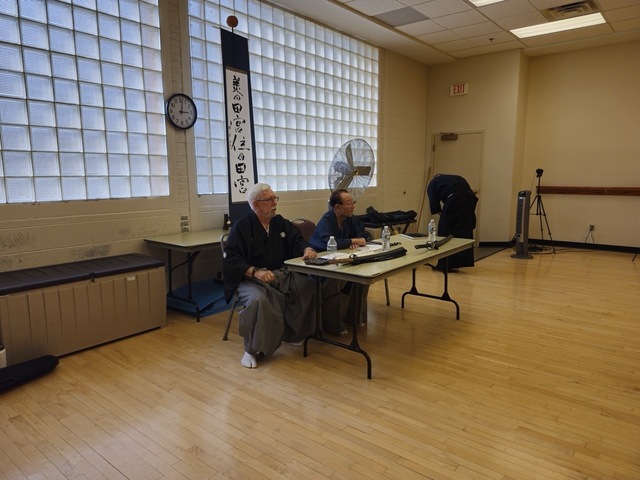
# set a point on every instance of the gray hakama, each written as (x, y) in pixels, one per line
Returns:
(339, 305)
(282, 310)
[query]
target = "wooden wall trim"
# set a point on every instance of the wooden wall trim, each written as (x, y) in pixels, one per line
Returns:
(622, 191)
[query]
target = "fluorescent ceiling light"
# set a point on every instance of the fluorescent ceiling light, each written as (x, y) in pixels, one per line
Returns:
(559, 25)
(482, 3)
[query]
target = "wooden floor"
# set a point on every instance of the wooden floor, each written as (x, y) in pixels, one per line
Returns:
(539, 379)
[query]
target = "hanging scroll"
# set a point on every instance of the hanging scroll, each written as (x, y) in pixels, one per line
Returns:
(241, 157)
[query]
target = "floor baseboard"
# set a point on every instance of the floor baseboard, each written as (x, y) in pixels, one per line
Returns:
(546, 244)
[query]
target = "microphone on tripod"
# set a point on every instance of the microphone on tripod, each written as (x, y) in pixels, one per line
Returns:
(541, 213)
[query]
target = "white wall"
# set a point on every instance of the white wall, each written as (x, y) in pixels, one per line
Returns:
(583, 129)
(403, 145)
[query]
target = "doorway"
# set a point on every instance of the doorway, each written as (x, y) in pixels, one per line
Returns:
(461, 154)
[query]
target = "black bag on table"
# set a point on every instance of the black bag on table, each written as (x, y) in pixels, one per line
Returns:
(373, 217)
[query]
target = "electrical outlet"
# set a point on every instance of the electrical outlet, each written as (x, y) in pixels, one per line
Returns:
(590, 229)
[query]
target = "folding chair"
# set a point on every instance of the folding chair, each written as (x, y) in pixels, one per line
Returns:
(235, 300)
(306, 227)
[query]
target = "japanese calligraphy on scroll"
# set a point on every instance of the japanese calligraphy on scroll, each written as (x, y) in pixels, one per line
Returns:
(239, 134)
(241, 157)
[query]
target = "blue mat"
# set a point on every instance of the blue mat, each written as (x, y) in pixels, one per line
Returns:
(208, 294)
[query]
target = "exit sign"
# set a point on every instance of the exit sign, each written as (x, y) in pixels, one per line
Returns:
(458, 89)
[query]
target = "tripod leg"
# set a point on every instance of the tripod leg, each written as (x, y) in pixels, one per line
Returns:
(544, 214)
(540, 213)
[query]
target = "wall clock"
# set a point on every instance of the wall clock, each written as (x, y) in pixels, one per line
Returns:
(181, 111)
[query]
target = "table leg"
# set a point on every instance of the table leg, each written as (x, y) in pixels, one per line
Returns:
(189, 263)
(170, 273)
(318, 334)
(445, 294)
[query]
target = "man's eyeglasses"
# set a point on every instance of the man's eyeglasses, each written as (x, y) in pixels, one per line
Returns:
(271, 199)
(348, 204)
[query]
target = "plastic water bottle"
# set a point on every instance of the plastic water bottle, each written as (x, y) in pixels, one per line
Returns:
(386, 238)
(432, 230)
(332, 245)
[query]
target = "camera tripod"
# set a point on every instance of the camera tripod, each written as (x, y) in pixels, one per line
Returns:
(540, 211)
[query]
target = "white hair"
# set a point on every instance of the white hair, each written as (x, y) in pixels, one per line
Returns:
(254, 192)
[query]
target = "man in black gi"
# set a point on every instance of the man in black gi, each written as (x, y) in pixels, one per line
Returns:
(278, 305)
(452, 197)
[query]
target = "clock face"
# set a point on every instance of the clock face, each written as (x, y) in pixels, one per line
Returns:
(181, 111)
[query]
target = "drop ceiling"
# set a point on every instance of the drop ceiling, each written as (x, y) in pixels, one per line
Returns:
(441, 31)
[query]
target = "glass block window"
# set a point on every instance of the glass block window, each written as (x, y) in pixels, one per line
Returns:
(313, 89)
(81, 101)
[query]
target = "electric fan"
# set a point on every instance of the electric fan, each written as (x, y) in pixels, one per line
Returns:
(352, 167)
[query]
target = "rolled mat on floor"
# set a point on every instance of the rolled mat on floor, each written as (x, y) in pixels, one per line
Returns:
(22, 372)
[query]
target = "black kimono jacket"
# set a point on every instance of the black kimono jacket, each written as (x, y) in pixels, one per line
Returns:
(249, 245)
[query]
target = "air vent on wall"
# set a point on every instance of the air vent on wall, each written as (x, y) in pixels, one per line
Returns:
(570, 10)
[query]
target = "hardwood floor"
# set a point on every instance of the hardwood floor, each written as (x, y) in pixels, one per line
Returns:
(539, 379)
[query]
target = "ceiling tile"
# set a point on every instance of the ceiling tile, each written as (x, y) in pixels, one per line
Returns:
(454, 46)
(411, 3)
(438, 37)
(375, 7)
(509, 8)
(484, 28)
(627, 25)
(460, 19)
(492, 39)
(620, 14)
(500, 47)
(439, 8)
(421, 28)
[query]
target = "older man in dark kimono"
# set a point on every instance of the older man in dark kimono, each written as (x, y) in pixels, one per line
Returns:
(278, 305)
(338, 304)
(452, 197)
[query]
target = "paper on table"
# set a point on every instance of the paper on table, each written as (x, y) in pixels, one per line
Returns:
(334, 256)
(370, 247)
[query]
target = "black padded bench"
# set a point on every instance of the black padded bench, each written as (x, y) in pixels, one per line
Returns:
(39, 277)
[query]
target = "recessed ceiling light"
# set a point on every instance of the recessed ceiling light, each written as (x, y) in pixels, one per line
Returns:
(559, 25)
(482, 3)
